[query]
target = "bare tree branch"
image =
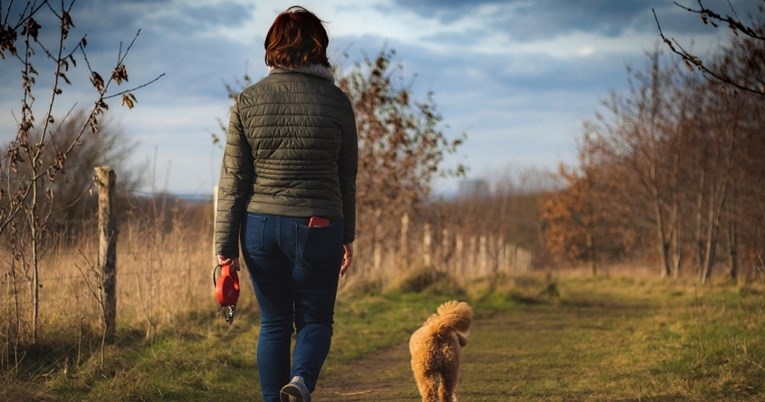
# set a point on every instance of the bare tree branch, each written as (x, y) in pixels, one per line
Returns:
(714, 72)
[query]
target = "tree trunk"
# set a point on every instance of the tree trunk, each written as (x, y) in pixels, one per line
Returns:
(700, 223)
(710, 247)
(675, 214)
(591, 253)
(733, 253)
(660, 227)
(733, 232)
(676, 252)
(716, 205)
(35, 234)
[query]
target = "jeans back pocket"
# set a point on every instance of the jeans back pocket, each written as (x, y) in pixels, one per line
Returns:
(319, 244)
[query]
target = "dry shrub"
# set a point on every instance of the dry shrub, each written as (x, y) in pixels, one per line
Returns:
(427, 280)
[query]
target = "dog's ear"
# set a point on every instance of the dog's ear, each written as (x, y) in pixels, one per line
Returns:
(462, 337)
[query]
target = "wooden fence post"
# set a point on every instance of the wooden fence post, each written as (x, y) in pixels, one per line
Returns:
(426, 246)
(499, 255)
(215, 218)
(472, 257)
(107, 248)
(403, 243)
(483, 255)
(446, 253)
(459, 256)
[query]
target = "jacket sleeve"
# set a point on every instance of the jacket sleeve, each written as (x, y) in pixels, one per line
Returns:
(348, 167)
(234, 188)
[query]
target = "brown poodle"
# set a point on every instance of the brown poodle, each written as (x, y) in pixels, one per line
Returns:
(435, 349)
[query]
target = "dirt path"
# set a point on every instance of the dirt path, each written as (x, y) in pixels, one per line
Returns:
(375, 378)
(530, 353)
(387, 376)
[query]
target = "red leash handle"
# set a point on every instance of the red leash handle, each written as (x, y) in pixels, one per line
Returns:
(226, 290)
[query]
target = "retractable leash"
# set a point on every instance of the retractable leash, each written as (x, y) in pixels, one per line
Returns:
(226, 290)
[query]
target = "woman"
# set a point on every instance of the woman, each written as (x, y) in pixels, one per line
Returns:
(287, 192)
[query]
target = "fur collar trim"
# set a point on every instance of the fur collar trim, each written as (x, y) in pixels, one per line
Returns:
(313, 69)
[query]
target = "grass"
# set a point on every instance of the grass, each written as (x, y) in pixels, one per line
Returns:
(633, 339)
(599, 339)
(572, 338)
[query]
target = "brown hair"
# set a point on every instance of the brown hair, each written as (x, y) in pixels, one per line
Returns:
(297, 38)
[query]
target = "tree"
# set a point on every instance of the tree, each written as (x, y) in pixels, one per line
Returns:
(35, 163)
(401, 144)
(636, 137)
(731, 110)
(743, 70)
(677, 156)
(505, 209)
(74, 201)
(582, 222)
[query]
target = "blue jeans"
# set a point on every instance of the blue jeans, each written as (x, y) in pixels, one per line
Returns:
(294, 270)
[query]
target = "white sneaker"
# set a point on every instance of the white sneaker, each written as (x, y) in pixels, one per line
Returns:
(295, 391)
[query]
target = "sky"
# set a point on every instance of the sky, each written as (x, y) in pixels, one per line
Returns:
(518, 77)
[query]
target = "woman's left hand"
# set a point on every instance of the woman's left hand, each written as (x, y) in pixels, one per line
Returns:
(347, 258)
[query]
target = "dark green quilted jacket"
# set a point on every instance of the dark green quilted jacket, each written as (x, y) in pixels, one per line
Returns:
(291, 150)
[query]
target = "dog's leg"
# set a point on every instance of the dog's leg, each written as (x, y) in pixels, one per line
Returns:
(447, 390)
(426, 384)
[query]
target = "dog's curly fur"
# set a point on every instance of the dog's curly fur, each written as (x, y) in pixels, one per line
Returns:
(435, 349)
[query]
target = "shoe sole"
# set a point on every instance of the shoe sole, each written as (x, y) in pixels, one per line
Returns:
(292, 394)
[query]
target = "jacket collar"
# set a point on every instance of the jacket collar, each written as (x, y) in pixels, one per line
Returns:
(313, 69)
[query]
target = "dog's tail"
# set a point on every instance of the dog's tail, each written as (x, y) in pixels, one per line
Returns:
(452, 316)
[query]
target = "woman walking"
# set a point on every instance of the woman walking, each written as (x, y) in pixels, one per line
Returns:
(287, 194)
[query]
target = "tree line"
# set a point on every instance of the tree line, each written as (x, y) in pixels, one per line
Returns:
(673, 168)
